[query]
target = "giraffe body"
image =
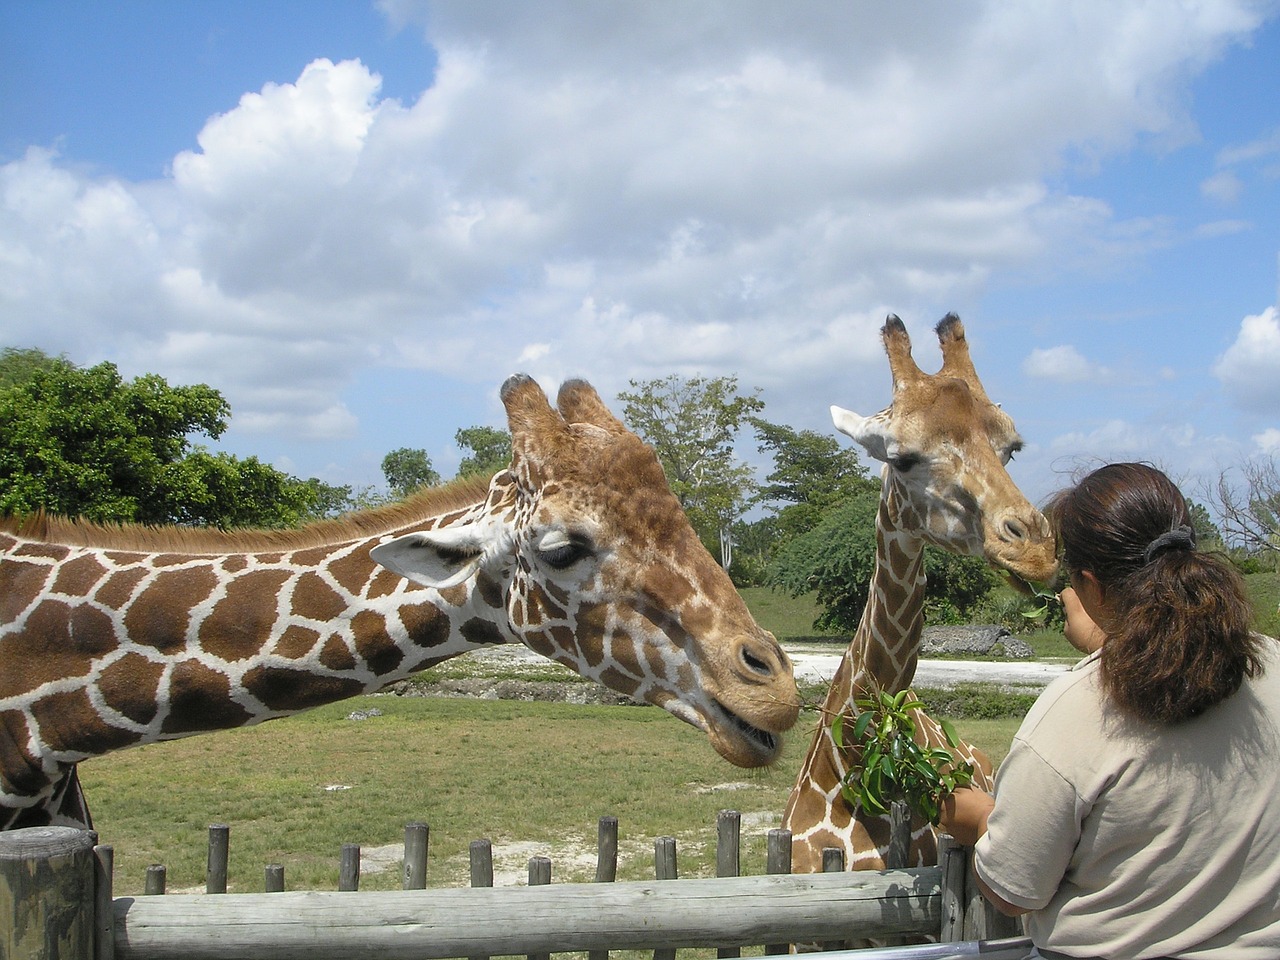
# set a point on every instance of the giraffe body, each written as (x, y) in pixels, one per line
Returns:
(116, 637)
(945, 447)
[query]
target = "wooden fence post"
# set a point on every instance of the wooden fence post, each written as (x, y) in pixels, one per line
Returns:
(157, 876)
(664, 868)
(219, 853)
(539, 874)
(778, 860)
(349, 868)
(273, 878)
(104, 914)
(417, 836)
(480, 854)
(47, 894)
(728, 859)
(899, 836)
(607, 850)
(606, 863)
(952, 858)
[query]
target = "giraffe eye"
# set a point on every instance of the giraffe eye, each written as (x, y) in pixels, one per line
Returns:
(903, 462)
(560, 550)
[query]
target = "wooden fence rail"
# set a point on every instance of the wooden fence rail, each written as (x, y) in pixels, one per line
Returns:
(426, 925)
(56, 899)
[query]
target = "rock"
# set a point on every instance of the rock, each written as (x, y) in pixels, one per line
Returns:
(973, 641)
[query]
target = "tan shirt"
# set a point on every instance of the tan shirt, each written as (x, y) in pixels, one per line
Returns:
(1131, 841)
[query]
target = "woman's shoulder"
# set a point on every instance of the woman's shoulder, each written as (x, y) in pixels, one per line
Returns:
(1070, 700)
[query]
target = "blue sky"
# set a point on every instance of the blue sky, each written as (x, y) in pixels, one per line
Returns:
(355, 220)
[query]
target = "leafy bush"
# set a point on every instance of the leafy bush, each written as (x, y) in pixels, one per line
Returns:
(837, 560)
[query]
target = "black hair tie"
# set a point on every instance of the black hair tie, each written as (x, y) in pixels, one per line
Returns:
(1179, 538)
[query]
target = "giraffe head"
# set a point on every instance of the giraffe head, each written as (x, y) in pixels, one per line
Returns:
(945, 447)
(585, 556)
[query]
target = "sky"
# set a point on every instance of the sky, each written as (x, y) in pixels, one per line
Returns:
(355, 220)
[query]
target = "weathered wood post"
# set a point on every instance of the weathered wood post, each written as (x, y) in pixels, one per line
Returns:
(47, 894)
(349, 868)
(157, 879)
(778, 860)
(899, 851)
(417, 837)
(728, 859)
(606, 863)
(664, 868)
(481, 858)
(833, 862)
(952, 858)
(539, 874)
(219, 857)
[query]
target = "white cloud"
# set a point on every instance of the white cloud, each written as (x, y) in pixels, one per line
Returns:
(1063, 364)
(615, 190)
(1250, 368)
(1223, 187)
(1268, 441)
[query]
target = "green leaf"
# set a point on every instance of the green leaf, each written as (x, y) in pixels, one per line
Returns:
(861, 724)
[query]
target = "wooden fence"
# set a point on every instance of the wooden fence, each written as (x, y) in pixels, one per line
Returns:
(56, 896)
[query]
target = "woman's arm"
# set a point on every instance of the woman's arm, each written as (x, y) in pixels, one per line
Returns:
(964, 816)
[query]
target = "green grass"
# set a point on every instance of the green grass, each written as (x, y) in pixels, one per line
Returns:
(782, 614)
(532, 777)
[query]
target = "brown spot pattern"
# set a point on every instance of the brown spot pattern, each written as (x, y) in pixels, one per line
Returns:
(159, 616)
(129, 686)
(118, 589)
(372, 643)
(77, 577)
(314, 598)
(296, 642)
(20, 584)
(282, 689)
(200, 699)
(242, 620)
(68, 721)
(426, 626)
(335, 655)
(353, 571)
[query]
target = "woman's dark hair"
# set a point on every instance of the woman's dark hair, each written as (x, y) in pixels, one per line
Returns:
(1180, 640)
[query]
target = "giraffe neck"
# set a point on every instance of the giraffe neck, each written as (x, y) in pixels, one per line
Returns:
(882, 654)
(886, 646)
(106, 647)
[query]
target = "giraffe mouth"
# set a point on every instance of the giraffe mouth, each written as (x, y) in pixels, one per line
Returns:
(763, 744)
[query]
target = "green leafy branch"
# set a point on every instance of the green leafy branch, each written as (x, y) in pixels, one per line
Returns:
(894, 766)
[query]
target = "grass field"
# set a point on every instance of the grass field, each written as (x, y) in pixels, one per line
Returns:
(532, 777)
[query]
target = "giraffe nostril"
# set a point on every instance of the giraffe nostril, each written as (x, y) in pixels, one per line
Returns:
(1014, 530)
(756, 664)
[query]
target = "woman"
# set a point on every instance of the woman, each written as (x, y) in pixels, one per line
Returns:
(1138, 811)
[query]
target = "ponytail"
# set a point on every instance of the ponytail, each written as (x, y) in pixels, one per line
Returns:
(1180, 640)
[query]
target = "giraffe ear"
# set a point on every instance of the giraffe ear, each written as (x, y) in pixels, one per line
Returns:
(865, 431)
(434, 558)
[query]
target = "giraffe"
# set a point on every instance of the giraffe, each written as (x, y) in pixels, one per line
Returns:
(112, 637)
(945, 448)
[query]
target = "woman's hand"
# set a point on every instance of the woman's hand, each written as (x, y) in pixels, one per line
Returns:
(964, 814)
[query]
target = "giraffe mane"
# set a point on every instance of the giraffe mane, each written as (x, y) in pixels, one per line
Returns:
(70, 531)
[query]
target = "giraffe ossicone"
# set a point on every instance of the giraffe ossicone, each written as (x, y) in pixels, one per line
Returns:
(111, 637)
(945, 448)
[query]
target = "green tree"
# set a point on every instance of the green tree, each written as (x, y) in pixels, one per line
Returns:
(87, 443)
(490, 451)
(693, 425)
(836, 559)
(407, 469)
(18, 365)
